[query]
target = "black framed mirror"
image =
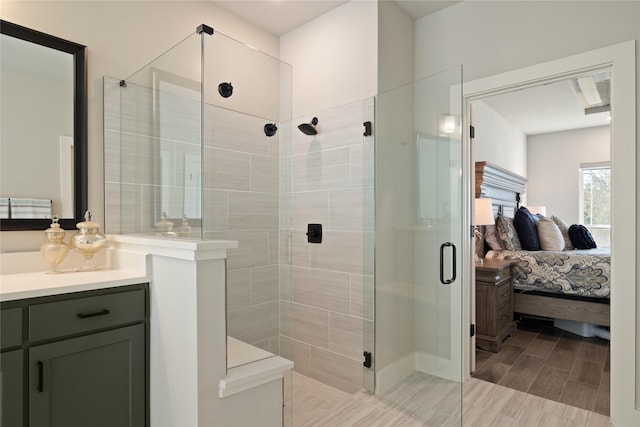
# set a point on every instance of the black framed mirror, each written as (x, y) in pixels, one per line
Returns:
(38, 99)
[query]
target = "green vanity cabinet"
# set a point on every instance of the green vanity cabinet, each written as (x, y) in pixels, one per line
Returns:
(95, 380)
(11, 367)
(86, 360)
(11, 388)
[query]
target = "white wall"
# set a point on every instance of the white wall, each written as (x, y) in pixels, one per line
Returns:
(491, 37)
(121, 37)
(497, 140)
(395, 46)
(553, 164)
(334, 58)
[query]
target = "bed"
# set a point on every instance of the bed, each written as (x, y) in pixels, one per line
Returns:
(569, 285)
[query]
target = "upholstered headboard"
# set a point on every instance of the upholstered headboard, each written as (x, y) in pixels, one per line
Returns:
(502, 186)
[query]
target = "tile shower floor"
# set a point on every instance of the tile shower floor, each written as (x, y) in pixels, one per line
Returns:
(551, 363)
(484, 404)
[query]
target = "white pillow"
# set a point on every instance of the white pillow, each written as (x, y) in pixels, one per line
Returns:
(564, 229)
(550, 236)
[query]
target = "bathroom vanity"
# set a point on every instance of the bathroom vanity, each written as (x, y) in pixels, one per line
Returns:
(74, 345)
(76, 359)
(142, 342)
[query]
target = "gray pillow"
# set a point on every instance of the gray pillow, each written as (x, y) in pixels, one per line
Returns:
(564, 229)
(551, 238)
(491, 238)
(507, 234)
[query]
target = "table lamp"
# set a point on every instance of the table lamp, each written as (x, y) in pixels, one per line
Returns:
(483, 216)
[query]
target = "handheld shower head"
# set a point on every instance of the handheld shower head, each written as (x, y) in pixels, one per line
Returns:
(309, 128)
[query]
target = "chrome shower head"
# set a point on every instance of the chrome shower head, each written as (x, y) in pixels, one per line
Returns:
(309, 128)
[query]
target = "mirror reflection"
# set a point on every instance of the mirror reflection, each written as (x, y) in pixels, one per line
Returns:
(43, 132)
(36, 82)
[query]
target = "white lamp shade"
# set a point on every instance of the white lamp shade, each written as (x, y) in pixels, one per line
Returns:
(484, 212)
(542, 210)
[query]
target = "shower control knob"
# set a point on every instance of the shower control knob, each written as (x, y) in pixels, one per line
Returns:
(314, 233)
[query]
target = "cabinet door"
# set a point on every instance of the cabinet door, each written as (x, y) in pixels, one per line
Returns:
(96, 380)
(11, 379)
(482, 309)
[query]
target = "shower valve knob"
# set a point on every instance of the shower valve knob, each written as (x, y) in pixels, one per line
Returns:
(314, 233)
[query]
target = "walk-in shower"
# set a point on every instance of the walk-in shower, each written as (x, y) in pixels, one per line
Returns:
(224, 161)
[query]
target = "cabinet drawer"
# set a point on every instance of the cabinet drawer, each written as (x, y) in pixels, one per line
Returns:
(503, 294)
(504, 317)
(492, 276)
(79, 315)
(11, 327)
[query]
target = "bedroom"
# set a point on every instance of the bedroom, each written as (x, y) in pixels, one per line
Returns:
(530, 134)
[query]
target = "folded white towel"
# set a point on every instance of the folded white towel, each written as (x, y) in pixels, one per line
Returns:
(4, 207)
(17, 201)
(23, 208)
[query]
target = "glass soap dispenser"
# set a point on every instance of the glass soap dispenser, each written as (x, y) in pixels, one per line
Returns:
(88, 241)
(54, 250)
(184, 229)
(164, 227)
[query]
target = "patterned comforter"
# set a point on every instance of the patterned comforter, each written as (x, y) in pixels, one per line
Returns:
(578, 272)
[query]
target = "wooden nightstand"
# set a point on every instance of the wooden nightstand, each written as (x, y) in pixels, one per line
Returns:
(494, 304)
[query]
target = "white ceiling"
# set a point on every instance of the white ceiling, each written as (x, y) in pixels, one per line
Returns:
(547, 108)
(281, 16)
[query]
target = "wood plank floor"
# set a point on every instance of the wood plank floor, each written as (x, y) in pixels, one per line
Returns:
(311, 403)
(548, 362)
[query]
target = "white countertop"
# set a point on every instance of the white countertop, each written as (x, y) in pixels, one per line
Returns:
(25, 274)
(37, 284)
(124, 262)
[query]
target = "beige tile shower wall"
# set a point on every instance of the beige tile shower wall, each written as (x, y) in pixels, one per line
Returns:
(145, 151)
(242, 203)
(241, 194)
(330, 288)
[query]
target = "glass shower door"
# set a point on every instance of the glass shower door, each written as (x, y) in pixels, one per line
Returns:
(418, 235)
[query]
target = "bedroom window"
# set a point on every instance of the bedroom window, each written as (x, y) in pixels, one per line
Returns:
(595, 200)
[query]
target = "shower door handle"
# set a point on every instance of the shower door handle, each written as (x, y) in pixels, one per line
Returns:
(453, 263)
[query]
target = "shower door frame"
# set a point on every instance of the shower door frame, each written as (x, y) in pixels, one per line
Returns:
(458, 339)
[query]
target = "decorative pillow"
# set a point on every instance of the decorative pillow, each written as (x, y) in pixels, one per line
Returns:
(525, 224)
(564, 229)
(506, 233)
(491, 237)
(581, 238)
(550, 236)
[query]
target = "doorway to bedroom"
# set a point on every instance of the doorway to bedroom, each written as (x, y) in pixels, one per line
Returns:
(542, 155)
